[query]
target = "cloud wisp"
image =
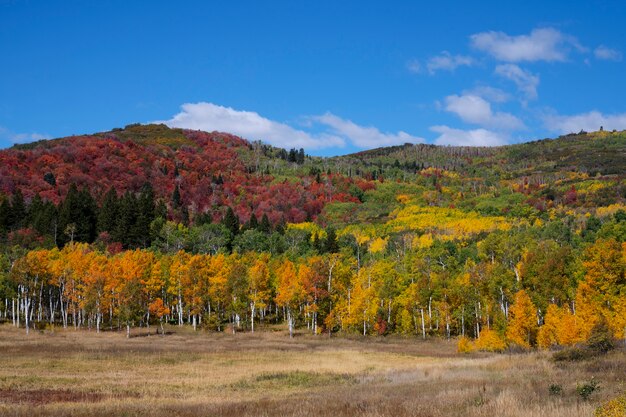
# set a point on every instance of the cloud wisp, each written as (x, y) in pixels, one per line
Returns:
(448, 62)
(526, 82)
(336, 132)
(607, 54)
(543, 44)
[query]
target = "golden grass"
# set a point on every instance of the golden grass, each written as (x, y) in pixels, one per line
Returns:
(70, 373)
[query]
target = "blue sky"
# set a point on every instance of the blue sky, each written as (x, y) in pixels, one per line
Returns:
(331, 76)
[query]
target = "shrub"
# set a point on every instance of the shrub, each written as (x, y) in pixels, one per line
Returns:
(572, 354)
(587, 388)
(490, 341)
(614, 408)
(465, 345)
(556, 389)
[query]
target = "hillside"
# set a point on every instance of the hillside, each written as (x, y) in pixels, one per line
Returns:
(519, 246)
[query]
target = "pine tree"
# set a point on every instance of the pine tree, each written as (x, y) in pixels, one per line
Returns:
(145, 215)
(231, 221)
(109, 211)
(5, 216)
(330, 244)
(253, 223)
(126, 219)
(88, 218)
(265, 225)
(176, 197)
(18, 211)
(69, 214)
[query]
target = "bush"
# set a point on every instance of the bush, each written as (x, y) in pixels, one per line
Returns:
(614, 408)
(490, 341)
(465, 345)
(556, 389)
(572, 354)
(587, 388)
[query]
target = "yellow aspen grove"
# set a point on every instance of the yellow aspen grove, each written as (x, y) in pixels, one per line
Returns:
(522, 327)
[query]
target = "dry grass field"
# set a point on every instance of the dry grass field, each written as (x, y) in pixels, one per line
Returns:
(70, 373)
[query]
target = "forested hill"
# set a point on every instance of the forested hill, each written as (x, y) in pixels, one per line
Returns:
(182, 226)
(193, 177)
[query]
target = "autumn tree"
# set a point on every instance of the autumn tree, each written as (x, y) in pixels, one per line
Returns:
(522, 326)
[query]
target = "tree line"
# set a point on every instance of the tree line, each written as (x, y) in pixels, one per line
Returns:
(517, 287)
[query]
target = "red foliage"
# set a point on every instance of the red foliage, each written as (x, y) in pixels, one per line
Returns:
(101, 162)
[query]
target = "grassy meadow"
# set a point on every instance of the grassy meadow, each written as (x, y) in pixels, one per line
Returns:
(76, 373)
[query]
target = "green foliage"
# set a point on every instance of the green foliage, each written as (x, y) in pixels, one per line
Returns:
(585, 389)
(555, 389)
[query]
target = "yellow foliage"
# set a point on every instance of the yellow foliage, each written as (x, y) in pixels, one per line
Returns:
(378, 245)
(424, 241)
(603, 212)
(490, 341)
(403, 198)
(559, 328)
(522, 326)
(464, 345)
(448, 222)
(614, 408)
(309, 227)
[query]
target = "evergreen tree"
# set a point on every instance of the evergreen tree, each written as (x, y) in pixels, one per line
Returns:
(5, 216)
(330, 244)
(231, 221)
(317, 245)
(176, 197)
(69, 213)
(265, 225)
(253, 223)
(126, 219)
(34, 209)
(107, 217)
(88, 219)
(18, 211)
(46, 220)
(145, 215)
(184, 215)
(50, 179)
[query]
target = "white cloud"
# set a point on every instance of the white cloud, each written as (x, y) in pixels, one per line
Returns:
(606, 53)
(476, 110)
(21, 137)
(545, 44)
(495, 95)
(589, 122)
(363, 136)
(526, 82)
(336, 132)
(476, 137)
(448, 62)
(250, 125)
